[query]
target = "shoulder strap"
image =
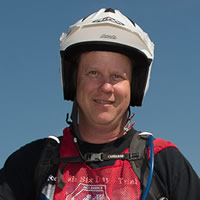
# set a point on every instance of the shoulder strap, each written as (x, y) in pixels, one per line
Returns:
(48, 163)
(141, 167)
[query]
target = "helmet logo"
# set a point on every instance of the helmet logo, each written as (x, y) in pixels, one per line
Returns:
(110, 19)
(109, 36)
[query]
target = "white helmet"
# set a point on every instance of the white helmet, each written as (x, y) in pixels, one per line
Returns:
(107, 30)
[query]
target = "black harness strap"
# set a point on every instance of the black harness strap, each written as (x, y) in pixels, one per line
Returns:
(141, 167)
(61, 184)
(48, 162)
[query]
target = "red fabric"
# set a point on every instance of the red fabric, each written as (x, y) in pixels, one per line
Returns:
(159, 145)
(117, 182)
(107, 183)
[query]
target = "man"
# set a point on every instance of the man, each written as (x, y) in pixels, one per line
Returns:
(105, 64)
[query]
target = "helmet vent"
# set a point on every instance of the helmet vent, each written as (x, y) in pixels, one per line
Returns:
(109, 10)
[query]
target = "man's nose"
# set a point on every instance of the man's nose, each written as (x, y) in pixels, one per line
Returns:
(106, 85)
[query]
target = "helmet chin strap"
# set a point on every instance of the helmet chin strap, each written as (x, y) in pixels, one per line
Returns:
(74, 118)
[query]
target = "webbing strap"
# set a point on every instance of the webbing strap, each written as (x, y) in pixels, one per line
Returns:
(47, 163)
(141, 167)
(61, 184)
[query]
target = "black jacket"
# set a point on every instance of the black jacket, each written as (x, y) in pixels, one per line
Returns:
(179, 180)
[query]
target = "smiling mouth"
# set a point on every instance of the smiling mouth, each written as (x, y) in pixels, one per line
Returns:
(103, 102)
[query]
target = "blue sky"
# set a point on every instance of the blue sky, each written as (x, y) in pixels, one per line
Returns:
(31, 99)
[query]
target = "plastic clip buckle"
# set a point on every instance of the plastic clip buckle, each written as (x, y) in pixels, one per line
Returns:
(91, 157)
(133, 156)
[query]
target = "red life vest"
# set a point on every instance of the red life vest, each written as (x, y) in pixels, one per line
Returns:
(107, 183)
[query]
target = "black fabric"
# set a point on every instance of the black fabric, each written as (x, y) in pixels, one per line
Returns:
(178, 179)
(48, 163)
(177, 175)
(18, 173)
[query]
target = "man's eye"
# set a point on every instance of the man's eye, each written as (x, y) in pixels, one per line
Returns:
(117, 77)
(93, 74)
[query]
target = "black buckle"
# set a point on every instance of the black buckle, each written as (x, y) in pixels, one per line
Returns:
(91, 157)
(133, 156)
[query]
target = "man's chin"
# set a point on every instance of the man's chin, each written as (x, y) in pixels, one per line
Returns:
(104, 119)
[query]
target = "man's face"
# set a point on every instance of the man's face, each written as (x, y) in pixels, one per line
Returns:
(103, 87)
